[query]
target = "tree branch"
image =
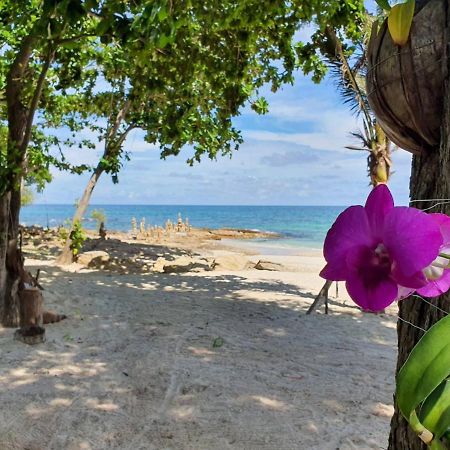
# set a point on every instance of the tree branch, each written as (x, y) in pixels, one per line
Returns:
(35, 101)
(120, 116)
(74, 38)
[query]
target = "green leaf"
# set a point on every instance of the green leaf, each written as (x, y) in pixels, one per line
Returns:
(427, 367)
(218, 342)
(400, 21)
(435, 411)
(162, 13)
(384, 4)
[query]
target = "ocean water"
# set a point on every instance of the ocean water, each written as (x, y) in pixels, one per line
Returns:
(299, 226)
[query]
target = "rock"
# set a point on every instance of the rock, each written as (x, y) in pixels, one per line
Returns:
(233, 262)
(93, 258)
(159, 265)
(181, 265)
(268, 265)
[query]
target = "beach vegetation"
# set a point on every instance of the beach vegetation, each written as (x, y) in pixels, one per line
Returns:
(99, 216)
(27, 196)
(77, 238)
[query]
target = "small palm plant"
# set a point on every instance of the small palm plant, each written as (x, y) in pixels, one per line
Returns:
(348, 69)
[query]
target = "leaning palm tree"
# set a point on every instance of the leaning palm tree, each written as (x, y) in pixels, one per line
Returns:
(348, 70)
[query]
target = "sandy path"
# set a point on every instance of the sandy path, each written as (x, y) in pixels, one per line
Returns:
(134, 367)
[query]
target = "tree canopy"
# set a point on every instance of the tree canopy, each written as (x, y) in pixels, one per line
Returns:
(178, 70)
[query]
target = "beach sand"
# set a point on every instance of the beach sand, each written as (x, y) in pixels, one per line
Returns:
(220, 359)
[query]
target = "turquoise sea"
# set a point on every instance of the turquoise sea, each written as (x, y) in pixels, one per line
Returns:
(299, 226)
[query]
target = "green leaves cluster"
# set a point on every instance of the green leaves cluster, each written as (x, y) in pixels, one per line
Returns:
(423, 386)
(180, 71)
(77, 238)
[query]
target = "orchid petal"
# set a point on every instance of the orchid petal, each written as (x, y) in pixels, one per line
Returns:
(436, 287)
(415, 281)
(403, 292)
(412, 239)
(334, 272)
(378, 204)
(372, 298)
(351, 229)
(444, 224)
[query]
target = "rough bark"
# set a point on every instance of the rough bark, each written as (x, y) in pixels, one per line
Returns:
(14, 265)
(17, 120)
(430, 179)
(4, 226)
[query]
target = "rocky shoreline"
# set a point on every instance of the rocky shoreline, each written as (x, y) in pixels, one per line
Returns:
(199, 249)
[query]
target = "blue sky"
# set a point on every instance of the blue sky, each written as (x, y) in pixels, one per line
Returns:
(295, 155)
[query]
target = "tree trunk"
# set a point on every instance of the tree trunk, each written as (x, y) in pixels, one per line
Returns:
(31, 314)
(14, 265)
(4, 227)
(430, 180)
(66, 257)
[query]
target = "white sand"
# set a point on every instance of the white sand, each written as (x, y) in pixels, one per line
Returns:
(134, 366)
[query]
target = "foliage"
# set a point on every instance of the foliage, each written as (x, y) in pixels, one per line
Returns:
(77, 238)
(423, 389)
(195, 64)
(99, 216)
(348, 65)
(63, 234)
(27, 197)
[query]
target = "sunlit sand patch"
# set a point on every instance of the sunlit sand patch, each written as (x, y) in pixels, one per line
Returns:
(66, 388)
(389, 324)
(149, 286)
(61, 402)
(182, 412)
(95, 404)
(275, 332)
(19, 377)
(86, 371)
(35, 411)
(200, 351)
(312, 427)
(270, 403)
(382, 410)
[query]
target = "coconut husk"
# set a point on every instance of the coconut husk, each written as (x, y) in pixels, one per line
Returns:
(405, 85)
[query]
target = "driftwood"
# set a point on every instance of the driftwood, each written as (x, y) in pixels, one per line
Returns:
(52, 317)
(405, 85)
(321, 296)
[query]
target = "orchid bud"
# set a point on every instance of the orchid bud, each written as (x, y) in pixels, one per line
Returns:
(433, 272)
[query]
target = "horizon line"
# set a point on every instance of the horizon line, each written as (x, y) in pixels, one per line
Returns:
(180, 204)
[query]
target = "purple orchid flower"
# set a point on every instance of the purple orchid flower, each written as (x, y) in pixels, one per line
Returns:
(381, 251)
